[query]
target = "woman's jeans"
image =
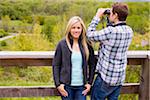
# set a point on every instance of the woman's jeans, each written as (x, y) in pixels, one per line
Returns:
(74, 93)
(101, 90)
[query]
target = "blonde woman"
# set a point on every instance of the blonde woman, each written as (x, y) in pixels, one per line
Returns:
(72, 57)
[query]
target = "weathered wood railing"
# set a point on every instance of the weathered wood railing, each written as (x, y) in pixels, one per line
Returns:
(8, 59)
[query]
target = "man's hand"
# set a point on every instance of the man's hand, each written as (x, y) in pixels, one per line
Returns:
(100, 12)
(62, 90)
(88, 87)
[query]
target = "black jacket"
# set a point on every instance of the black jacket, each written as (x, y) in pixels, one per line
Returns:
(62, 64)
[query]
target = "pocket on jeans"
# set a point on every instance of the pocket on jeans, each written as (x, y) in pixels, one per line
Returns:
(105, 87)
(98, 81)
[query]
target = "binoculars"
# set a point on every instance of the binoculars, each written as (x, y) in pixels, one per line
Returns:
(107, 12)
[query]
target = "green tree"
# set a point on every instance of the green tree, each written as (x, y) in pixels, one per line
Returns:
(31, 42)
(6, 23)
(49, 24)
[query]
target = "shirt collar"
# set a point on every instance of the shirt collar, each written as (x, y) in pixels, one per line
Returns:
(120, 23)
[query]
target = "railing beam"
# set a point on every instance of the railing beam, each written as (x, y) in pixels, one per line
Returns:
(42, 91)
(30, 58)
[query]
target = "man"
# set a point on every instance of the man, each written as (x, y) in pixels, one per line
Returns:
(112, 56)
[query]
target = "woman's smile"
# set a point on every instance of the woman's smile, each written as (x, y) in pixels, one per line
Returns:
(76, 30)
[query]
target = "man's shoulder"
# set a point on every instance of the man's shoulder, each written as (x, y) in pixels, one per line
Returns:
(124, 27)
(129, 27)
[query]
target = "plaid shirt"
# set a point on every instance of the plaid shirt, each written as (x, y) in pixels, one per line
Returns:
(112, 54)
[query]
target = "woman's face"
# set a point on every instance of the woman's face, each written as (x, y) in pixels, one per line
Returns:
(76, 30)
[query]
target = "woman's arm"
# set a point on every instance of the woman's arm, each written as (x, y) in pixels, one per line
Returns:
(57, 64)
(92, 64)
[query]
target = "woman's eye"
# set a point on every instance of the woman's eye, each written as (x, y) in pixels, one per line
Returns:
(78, 27)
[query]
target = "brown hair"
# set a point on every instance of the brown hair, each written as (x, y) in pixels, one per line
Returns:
(121, 9)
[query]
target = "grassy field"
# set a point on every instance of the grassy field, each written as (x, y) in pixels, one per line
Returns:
(33, 76)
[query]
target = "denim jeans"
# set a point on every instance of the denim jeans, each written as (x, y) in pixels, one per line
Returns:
(101, 90)
(74, 93)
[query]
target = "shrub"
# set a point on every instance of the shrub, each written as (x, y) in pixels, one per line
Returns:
(32, 42)
(3, 33)
(49, 24)
(140, 42)
(38, 19)
(3, 43)
(138, 23)
(28, 19)
(6, 23)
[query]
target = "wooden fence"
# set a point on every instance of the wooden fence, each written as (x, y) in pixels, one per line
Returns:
(30, 58)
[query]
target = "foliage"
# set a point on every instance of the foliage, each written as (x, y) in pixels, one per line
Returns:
(28, 19)
(14, 25)
(30, 42)
(20, 26)
(139, 17)
(14, 9)
(138, 23)
(6, 23)
(28, 10)
(3, 43)
(140, 42)
(49, 24)
(128, 97)
(3, 33)
(26, 76)
(59, 30)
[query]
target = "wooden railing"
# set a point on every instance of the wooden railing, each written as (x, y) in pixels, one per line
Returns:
(19, 58)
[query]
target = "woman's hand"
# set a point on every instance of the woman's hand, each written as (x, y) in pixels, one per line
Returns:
(88, 87)
(62, 90)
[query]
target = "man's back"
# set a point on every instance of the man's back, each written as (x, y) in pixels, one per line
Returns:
(119, 39)
(115, 41)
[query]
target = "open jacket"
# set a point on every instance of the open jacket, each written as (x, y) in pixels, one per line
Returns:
(62, 64)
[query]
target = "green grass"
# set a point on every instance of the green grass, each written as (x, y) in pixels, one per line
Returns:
(42, 76)
(17, 23)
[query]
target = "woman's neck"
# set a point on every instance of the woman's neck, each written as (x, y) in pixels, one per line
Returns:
(75, 45)
(75, 41)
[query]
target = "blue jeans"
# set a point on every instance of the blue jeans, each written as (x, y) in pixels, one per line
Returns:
(101, 90)
(74, 93)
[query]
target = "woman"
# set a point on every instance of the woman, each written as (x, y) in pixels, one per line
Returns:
(72, 57)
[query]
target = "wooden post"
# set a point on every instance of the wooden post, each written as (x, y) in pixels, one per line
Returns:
(144, 82)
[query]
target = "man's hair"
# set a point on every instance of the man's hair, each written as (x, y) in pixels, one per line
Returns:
(121, 9)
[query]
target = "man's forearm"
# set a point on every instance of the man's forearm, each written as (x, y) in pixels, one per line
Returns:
(92, 27)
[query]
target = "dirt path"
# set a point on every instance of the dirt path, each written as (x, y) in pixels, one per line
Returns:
(10, 36)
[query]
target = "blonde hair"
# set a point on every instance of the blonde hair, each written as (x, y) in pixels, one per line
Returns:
(71, 22)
